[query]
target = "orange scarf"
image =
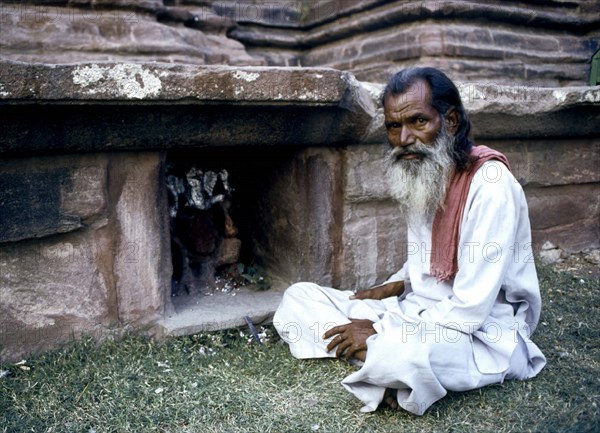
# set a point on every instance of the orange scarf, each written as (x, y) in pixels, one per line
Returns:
(446, 224)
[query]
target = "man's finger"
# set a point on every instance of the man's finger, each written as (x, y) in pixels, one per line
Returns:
(335, 330)
(345, 344)
(350, 351)
(337, 340)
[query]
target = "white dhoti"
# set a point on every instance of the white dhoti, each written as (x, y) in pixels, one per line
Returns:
(421, 361)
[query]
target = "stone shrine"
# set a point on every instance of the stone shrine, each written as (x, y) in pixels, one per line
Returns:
(99, 98)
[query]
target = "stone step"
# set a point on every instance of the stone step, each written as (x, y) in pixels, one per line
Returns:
(221, 310)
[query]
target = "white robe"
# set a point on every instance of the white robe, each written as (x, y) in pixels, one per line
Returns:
(456, 335)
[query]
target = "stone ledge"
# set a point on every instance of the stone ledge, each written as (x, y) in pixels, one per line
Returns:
(499, 111)
(152, 83)
(112, 106)
(99, 107)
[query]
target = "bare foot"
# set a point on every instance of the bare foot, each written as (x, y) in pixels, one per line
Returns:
(389, 400)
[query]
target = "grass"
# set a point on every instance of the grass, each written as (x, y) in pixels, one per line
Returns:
(218, 382)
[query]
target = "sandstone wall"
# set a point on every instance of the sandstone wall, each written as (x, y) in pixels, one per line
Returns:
(538, 43)
(117, 30)
(544, 43)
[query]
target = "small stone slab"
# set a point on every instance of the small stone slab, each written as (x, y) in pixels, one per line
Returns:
(200, 313)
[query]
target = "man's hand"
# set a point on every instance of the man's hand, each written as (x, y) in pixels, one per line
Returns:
(380, 292)
(350, 339)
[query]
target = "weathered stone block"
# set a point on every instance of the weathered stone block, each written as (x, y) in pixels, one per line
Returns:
(551, 161)
(281, 14)
(521, 41)
(319, 11)
(297, 233)
(460, 49)
(142, 265)
(365, 173)
(52, 290)
(468, 34)
(86, 197)
(531, 112)
(567, 216)
(374, 243)
(49, 195)
(119, 31)
(31, 205)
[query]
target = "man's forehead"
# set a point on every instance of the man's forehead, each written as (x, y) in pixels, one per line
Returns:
(417, 93)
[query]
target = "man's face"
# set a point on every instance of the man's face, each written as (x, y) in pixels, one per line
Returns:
(420, 161)
(410, 119)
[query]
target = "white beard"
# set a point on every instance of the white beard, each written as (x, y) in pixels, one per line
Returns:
(419, 185)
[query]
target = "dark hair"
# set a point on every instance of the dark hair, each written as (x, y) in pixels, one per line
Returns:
(444, 96)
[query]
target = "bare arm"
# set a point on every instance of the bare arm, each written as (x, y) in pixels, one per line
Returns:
(388, 290)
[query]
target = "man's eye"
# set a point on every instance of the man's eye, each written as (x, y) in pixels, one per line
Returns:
(394, 125)
(421, 121)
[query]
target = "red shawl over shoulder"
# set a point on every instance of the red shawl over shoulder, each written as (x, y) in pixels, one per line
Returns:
(446, 225)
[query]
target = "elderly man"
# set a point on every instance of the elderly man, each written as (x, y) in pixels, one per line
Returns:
(460, 312)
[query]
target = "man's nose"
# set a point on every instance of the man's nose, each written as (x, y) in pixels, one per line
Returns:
(406, 137)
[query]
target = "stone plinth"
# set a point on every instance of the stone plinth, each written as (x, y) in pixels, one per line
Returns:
(84, 233)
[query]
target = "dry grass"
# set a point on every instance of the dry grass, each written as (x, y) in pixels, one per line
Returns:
(219, 382)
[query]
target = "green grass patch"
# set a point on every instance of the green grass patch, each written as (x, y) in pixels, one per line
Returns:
(220, 382)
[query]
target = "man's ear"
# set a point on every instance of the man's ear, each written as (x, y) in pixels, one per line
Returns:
(452, 120)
